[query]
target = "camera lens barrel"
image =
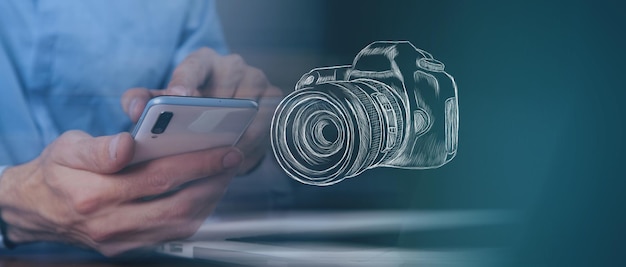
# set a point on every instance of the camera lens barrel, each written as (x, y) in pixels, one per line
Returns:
(333, 131)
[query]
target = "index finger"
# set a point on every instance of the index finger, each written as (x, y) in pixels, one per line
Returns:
(192, 73)
(161, 175)
(153, 178)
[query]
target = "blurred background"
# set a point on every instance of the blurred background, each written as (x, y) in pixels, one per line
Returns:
(542, 121)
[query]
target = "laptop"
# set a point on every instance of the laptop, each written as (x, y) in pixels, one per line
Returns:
(347, 238)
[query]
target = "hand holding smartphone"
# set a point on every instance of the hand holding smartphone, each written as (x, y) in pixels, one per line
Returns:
(171, 125)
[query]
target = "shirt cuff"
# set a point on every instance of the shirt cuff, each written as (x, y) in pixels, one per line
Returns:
(2, 168)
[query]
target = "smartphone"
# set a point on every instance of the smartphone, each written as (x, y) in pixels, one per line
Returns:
(171, 125)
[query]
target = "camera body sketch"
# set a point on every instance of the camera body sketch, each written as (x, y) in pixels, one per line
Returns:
(395, 106)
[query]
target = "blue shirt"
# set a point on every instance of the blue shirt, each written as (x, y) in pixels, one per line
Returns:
(65, 64)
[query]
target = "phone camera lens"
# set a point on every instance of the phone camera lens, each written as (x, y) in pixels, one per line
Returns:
(161, 124)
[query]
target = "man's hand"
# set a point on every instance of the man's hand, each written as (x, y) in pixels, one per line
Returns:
(79, 191)
(205, 73)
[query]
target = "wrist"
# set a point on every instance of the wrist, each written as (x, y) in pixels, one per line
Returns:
(13, 206)
(4, 239)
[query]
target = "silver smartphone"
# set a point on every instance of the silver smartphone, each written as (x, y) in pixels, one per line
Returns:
(171, 125)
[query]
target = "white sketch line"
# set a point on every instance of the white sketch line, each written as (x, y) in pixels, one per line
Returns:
(395, 106)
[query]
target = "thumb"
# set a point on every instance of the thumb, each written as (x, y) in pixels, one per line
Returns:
(79, 150)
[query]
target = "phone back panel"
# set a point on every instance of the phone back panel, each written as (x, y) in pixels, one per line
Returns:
(195, 125)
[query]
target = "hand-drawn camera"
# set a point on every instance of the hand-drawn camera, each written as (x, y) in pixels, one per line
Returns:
(395, 106)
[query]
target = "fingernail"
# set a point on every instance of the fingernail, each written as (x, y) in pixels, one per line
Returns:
(179, 90)
(113, 147)
(232, 159)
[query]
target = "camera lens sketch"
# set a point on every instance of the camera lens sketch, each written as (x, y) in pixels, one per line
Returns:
(395, 106)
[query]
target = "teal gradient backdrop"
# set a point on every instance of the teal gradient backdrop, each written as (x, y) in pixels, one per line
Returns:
(542, 118)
